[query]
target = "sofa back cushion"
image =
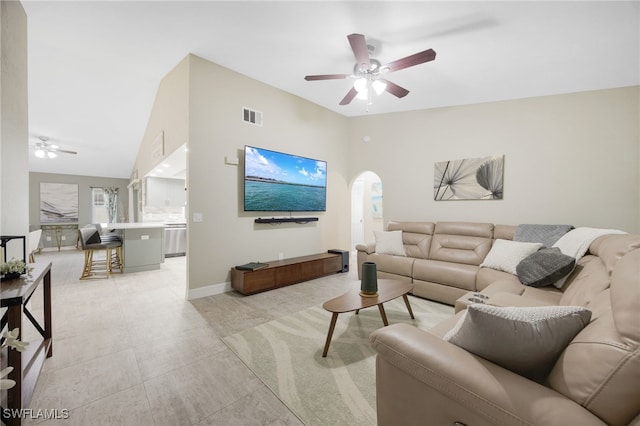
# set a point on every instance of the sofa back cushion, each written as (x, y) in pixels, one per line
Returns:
(611, 248)
(461, 242)
(504, 232)
(416, 237)
(600, 369)
(593, 271)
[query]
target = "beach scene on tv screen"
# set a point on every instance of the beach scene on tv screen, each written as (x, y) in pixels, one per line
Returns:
(275, 181)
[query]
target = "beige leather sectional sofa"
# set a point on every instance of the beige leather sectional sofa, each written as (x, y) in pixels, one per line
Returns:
(442, 259)
(421, 378)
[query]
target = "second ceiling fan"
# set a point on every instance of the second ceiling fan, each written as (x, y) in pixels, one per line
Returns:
(369, 73)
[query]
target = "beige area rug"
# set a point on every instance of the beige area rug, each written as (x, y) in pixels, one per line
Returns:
(286, 354)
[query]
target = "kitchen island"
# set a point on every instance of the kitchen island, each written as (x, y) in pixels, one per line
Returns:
(142, 244)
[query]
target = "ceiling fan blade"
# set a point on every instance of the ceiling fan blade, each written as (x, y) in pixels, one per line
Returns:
(411, 60)
(326, 77)
(360, 50)
(63, 150)
(349, 97)
(394, 89)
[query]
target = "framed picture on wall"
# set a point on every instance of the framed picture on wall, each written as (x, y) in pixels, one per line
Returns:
(58, 202)
(469, 179)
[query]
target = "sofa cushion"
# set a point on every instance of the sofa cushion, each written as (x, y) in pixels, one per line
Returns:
(505, 255)
(416, 237)
(526, 340)
(487, 276)
(398, 265)
(448, 273)
(611, 248)
(471, 229)
(587, 280)
(600, 369)
(504, 232)
(544, 267)
(461, 242)
(389, 242)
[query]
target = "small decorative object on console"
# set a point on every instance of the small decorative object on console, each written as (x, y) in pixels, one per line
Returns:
(13, 269)
(369, 281)
(252, 266)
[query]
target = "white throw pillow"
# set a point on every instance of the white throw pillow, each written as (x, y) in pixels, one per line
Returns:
(527, 340)
(389, 242)
(505, 254)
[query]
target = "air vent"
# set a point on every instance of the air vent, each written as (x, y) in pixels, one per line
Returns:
(252, 116)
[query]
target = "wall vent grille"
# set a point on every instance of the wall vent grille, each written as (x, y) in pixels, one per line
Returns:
(252, 116)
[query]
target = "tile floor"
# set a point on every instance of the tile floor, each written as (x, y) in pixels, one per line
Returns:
(131, 350)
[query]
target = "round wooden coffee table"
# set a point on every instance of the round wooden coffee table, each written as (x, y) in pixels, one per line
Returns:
(352, 301)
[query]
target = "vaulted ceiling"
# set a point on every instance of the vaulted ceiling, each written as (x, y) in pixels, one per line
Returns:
(94, 67)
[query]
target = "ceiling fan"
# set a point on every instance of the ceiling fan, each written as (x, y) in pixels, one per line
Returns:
(369, 73)
(46, 149)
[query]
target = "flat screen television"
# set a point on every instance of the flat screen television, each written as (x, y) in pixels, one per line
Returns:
(276, 181)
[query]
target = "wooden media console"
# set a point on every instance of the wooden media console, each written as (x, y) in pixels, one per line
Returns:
(280, 273)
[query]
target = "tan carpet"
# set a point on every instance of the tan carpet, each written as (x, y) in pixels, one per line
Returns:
(286, 354)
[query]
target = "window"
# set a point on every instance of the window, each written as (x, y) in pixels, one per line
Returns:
(100, 206)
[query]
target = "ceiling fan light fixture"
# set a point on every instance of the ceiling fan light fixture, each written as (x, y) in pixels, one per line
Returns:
(363, 95)
(51, 154)
(360, 84)
(39, 153)
(379, 86)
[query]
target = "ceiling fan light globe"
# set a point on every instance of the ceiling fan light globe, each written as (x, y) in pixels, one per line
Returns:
(360, 85)
(51, 154)
(53, 146)
(39, 153)
(379, 86)
(363, 95)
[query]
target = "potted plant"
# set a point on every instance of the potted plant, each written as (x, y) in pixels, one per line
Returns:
(13, 269)
(10, 339)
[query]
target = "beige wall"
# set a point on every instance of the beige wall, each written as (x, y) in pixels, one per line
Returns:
(169, 117)
(84, 194)
(14, 126)
(227, 235)
(568, 158)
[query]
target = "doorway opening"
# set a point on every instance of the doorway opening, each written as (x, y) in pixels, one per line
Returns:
(366, 209)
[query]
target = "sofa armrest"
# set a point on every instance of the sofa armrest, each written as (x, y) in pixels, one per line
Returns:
(367, 248)
(421, 377)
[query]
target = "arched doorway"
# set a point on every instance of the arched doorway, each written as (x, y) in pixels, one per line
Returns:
(366, 208)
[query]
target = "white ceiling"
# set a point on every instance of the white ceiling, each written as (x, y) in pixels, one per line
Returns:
(94, 67)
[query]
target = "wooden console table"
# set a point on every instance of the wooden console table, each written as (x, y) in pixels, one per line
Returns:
(15, 294)
(280, 273)
(60, 235)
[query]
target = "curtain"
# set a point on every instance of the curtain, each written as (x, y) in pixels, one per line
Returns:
(111, 201)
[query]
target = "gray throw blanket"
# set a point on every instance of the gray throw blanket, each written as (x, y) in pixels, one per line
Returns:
(547, 235)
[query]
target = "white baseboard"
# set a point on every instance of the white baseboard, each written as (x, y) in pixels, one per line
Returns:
(210, 290)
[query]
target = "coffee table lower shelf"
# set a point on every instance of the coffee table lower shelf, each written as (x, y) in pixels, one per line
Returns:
(353, 301)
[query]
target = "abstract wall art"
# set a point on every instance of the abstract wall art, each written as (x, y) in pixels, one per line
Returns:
(469, 179)
(58, 202)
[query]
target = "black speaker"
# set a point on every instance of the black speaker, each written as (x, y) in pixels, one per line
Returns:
(345, 258)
